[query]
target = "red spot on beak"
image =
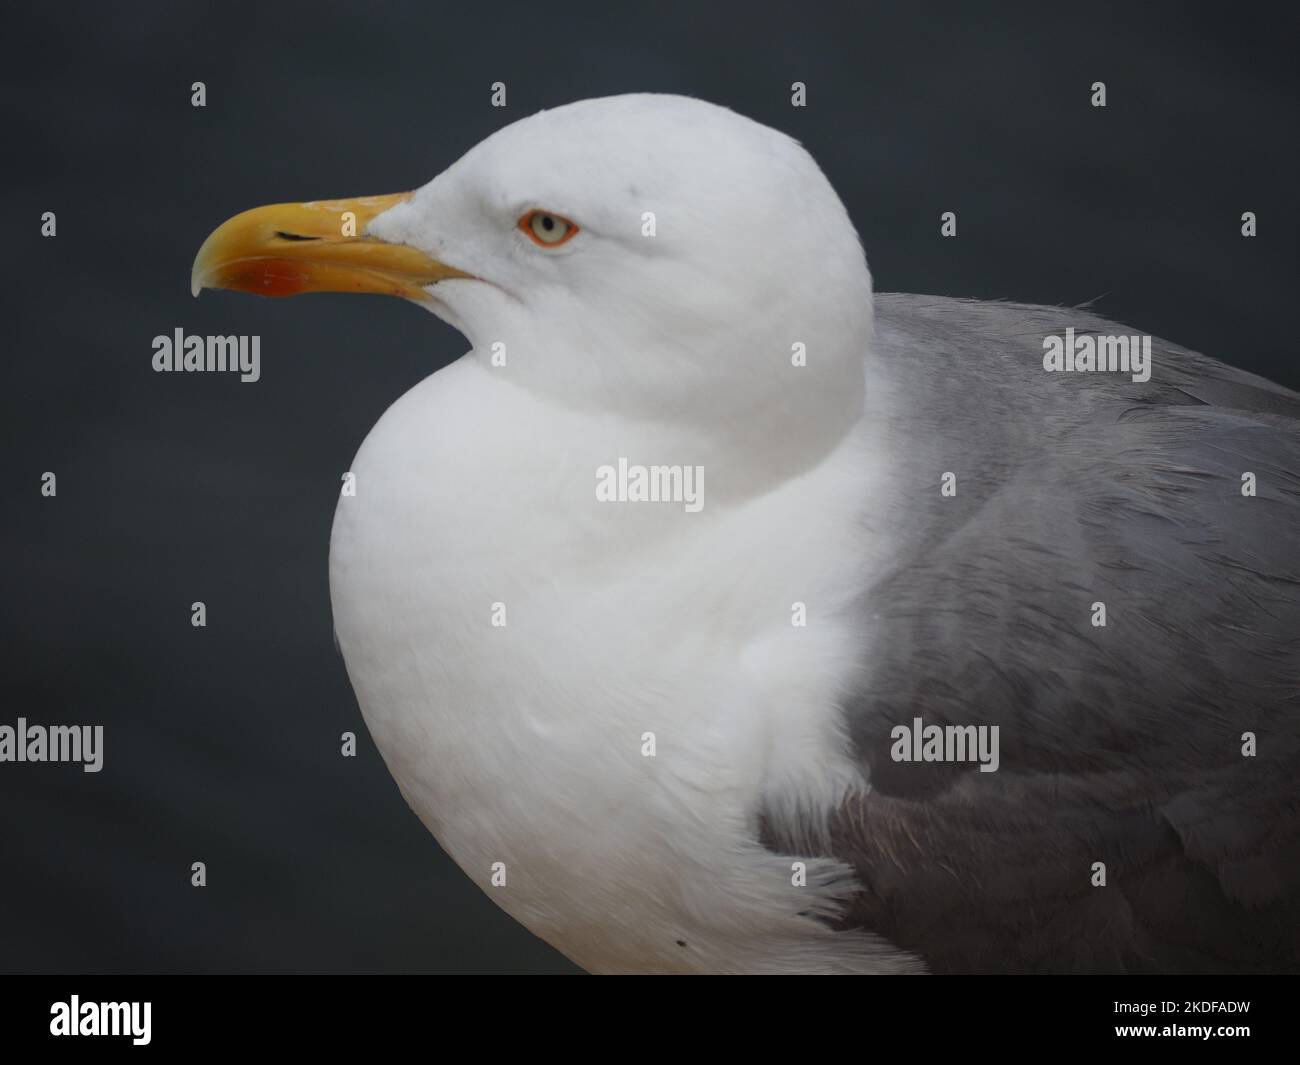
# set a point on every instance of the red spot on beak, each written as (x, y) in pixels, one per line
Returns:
(268, 277)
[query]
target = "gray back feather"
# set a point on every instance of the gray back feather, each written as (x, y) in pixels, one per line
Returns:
(1119, 744)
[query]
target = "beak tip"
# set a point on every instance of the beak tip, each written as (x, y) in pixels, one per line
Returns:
(198, 277)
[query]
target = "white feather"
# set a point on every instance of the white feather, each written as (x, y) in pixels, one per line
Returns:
(523, 744)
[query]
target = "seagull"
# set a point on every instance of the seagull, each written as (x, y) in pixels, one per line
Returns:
(719, 616)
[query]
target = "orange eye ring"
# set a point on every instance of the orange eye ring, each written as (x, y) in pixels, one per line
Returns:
(547, 229)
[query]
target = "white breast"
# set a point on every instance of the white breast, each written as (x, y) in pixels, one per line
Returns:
(521, 745)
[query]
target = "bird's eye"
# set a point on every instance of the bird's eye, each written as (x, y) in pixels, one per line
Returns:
(547, 229)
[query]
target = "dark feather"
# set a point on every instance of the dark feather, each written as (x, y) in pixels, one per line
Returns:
(1120, 744)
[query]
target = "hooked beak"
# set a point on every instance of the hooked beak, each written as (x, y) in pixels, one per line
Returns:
(289, 248)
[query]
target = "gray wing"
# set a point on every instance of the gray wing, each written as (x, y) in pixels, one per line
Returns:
(1120, 744)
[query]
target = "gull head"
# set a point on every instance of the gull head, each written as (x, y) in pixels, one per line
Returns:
(653, 255)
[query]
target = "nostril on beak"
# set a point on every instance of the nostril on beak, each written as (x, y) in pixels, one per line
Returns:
(293, 236)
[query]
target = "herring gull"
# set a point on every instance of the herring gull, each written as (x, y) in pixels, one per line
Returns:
(717, 616)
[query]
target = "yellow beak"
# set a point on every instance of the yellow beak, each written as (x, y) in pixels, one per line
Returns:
(289, 248)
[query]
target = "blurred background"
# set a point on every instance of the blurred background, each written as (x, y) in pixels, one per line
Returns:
(222, 743)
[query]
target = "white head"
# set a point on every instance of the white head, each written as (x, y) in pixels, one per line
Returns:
(705, 247)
